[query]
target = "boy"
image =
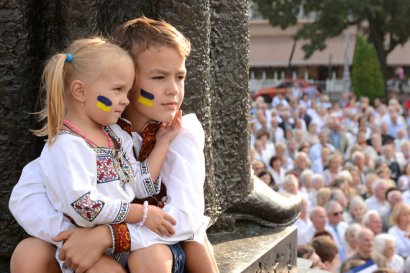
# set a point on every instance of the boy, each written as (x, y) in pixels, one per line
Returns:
(159, 51)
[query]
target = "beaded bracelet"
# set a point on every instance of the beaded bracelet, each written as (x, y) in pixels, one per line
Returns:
(112, 249)
(144, 217)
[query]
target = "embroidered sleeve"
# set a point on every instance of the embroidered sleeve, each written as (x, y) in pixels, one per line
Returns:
(69, 169)
(144, 185)
(121, 238)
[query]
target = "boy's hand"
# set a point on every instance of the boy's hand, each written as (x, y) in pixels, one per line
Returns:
(168, 131)
(159, 221)
(83, 247)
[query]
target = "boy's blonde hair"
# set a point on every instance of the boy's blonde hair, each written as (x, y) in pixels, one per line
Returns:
(83, 59)
(138, 35)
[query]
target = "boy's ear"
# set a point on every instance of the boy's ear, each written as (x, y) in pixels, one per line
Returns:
(77, 89)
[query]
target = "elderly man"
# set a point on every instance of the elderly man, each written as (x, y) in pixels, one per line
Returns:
(318, 218)
(365, 242)
(337, 226)
(373, 221)
(378, 200)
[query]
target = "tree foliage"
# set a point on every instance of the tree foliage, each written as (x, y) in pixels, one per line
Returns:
(367, 79)
(388, 21)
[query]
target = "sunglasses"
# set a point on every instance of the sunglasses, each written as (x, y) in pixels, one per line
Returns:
(337, 213)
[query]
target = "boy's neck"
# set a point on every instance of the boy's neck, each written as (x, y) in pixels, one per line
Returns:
(136, 123)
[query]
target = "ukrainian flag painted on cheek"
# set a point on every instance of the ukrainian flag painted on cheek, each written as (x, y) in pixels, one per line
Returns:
(104, 103)
(146, 98)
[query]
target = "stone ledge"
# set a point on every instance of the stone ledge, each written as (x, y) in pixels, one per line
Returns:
(254, 249)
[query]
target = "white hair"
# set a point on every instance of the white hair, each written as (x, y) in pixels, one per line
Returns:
(356, 201)
(352, 228)
(368, 214)
(316, 177)
(380, 241)
(305, 174)
(377, 183)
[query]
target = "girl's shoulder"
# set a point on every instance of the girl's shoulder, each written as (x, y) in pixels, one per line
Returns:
(67, 146)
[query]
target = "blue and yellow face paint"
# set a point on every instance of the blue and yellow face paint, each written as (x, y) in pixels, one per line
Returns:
(146, 98)
(104, 103)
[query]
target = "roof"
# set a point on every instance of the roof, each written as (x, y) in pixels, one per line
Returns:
(333, 54)
(270, 50)
(272, 47)
(277, 51)
(400, 55)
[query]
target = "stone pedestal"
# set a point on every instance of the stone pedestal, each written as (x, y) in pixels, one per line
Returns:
(254, 249)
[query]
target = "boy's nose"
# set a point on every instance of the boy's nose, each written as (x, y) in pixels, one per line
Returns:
(173, 88)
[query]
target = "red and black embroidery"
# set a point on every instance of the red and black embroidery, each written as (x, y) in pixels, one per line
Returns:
(87, 208)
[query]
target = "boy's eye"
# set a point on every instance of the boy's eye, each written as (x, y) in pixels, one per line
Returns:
(158, 77)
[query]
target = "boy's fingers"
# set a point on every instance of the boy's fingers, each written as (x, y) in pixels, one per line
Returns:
(170, 219)
(62, 236)
(169, 229)
(62, 254)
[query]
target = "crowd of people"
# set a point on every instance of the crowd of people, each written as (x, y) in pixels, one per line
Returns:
(349, 161)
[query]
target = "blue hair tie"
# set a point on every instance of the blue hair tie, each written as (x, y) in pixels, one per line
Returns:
(69, 58)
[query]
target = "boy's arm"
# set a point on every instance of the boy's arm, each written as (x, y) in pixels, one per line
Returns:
(31, 207)
(184, 173)
(33, 210)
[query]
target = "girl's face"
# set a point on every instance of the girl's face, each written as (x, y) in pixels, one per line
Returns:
(358, 212)
(106, 97)
(266, 179)
(277, 164)
(350, 238)
(159, 86)
(404, 219)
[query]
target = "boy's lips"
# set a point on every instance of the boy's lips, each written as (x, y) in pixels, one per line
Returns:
(171, 104)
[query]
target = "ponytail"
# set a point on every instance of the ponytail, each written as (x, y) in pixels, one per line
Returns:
(54, 84)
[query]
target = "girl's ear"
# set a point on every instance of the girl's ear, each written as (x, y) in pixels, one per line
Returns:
(77, 89)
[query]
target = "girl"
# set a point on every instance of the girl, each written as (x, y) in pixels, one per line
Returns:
(87, 166)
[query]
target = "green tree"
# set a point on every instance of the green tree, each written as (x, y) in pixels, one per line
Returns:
(388, 22)
(367, 79)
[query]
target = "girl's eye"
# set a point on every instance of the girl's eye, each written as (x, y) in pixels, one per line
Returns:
(158, 77)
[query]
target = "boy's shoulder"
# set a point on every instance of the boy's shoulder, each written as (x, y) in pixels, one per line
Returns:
(192, 129)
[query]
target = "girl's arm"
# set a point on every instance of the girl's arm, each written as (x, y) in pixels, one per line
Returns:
(148, 171)
(164, 137)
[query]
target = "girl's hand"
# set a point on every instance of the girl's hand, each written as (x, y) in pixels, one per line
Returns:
(160, 222)
(168, 131)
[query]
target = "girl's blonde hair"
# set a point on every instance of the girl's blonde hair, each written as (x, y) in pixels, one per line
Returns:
(83, 59)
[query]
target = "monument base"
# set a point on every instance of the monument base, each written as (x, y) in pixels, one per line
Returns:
(252, 248)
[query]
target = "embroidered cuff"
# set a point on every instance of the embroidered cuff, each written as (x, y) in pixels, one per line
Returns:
(122, 238)
(151, 187)
(122, 213)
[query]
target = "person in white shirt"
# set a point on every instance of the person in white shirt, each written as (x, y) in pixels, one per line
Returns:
(318, 217)
(183, 172)
(378, 200)
(385, 245)
(88, 167)
(401, 229)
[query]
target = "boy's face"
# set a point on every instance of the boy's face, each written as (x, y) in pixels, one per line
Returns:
(160, 73)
